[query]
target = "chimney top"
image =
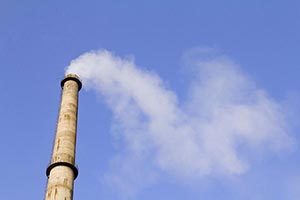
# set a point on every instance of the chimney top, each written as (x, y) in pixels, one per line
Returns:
(73, 77)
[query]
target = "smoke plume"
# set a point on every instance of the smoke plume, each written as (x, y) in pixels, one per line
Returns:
(225, 119)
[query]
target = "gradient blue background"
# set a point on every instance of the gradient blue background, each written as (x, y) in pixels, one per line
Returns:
(38, 39)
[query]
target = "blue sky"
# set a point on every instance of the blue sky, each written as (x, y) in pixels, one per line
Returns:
(252, 44)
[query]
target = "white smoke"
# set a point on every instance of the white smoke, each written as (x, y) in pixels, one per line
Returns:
(226, 118)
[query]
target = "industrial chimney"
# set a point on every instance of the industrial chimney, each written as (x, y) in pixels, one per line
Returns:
(62, 170)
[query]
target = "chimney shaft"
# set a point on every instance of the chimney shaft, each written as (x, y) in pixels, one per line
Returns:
(62, 170)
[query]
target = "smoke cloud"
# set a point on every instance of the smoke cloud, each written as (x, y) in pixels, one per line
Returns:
(225, 120)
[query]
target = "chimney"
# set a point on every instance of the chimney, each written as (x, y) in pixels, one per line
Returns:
(62, 170)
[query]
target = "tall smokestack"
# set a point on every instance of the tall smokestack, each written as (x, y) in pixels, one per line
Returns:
(62, 170)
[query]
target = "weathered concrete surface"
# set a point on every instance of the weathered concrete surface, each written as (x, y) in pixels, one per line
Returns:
(62, 171)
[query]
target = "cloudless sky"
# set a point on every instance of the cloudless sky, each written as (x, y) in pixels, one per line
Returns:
(38, 39)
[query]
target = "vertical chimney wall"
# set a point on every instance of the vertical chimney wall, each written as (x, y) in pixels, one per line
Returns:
(62, 170)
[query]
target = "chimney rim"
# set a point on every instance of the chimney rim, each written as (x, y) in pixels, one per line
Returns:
(73, 77)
